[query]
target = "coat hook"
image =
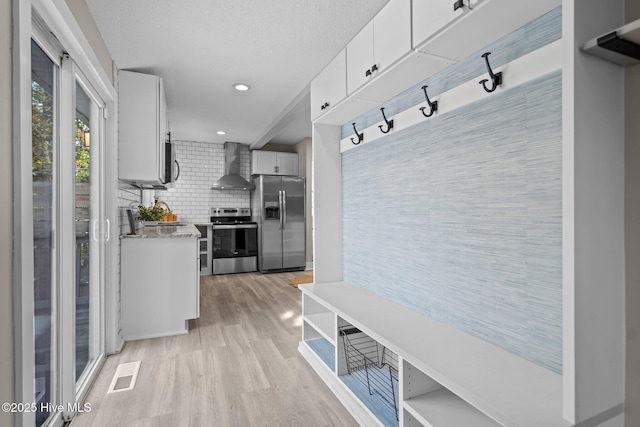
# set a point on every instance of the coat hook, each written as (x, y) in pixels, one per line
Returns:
(496, 78)
(359, 135)
(388, 122)
(433, 106)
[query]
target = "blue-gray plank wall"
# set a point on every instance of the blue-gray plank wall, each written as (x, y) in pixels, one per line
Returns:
(460, 217)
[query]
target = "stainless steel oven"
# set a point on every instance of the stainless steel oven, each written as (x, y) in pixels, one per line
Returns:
(234, 241)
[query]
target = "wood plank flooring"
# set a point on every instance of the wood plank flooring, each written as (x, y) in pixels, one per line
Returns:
(238, 366)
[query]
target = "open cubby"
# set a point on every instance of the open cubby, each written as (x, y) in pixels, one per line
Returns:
(321, 346)
(370, 371)
(320, 318)
(428, 403)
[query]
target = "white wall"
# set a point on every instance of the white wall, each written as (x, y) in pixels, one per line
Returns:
(6, 226)
(81, 13)
(304, 150)
(632, 232)
(593, 215)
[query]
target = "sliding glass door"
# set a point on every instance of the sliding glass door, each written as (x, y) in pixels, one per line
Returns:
(69, 232)
(44, 102)
(88, 241)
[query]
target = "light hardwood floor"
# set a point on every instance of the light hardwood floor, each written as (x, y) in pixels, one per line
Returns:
(238, 366)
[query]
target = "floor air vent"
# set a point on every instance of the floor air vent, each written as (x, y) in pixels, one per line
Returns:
(125, 377)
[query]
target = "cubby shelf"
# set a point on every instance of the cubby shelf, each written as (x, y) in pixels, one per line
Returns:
(324, 350)
(325, 323)
(466, 375)
(443, 408)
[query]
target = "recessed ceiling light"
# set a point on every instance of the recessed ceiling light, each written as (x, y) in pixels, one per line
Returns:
(241, 87)
(221, 132)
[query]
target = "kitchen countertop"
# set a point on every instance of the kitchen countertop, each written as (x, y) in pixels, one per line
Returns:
(163, 231)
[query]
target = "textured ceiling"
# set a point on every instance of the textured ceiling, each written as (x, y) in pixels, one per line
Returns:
(202, 47)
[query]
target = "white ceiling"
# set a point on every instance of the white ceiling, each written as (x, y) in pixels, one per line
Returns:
(202, 47)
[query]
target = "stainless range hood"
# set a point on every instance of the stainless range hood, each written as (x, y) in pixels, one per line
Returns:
(231, 180)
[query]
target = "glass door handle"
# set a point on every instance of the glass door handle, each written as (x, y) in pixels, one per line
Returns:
(93, 231)
(108, 234)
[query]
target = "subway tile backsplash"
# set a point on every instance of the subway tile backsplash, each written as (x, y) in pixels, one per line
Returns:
(202, 164)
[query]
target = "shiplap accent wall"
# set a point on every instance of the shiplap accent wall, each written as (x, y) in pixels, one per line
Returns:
(202, 164)
(459, 217)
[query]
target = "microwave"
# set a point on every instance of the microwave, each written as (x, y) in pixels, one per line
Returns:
(172, 167)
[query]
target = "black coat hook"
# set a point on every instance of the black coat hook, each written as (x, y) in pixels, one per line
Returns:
(359, 135)
(388, 122)
(496, 78)
(433, 106)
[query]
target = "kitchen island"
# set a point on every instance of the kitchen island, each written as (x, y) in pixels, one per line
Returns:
(160, 281)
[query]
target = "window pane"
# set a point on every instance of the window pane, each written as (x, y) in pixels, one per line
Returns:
(83, 221)
(42, 105)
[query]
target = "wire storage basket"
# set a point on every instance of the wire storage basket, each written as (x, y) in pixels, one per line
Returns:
(372, 364)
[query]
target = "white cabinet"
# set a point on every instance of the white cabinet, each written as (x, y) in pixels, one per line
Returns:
(430, 16)
(457, 34)
(273, 163)
(383, 41)
(330, 86)
(160, 286)
(142, 129)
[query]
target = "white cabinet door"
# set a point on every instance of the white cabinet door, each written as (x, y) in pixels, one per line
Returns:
(273, 163)
(287, 164)
(263, 162)
(487, 21)
(384, 40)
(391, 33)
(330, 86)
(429, 16)
(142, 128)
(360, 58)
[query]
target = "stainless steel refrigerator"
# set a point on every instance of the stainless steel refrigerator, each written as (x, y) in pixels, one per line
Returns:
(278, 206)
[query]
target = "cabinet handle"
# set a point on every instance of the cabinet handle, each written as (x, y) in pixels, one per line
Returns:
(325, 105)
(367, 73)
(374, 67)
(459, 4)
(277, 168)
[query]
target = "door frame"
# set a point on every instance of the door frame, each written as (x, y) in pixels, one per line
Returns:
(61, 21)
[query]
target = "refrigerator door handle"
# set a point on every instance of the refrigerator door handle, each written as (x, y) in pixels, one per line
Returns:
(280, 207)
(284, 208)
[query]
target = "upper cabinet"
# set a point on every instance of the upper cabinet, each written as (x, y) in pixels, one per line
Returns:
(407, 42)
(430, 16)
(383, 41)
(330, 86)
(273, 163)
(457, 28)
(143, 129)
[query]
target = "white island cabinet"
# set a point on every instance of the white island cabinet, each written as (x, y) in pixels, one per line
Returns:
(160, 281)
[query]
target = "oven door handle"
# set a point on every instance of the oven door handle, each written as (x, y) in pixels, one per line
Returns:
(233, 226)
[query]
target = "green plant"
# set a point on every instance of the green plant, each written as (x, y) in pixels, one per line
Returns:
(153, 213)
